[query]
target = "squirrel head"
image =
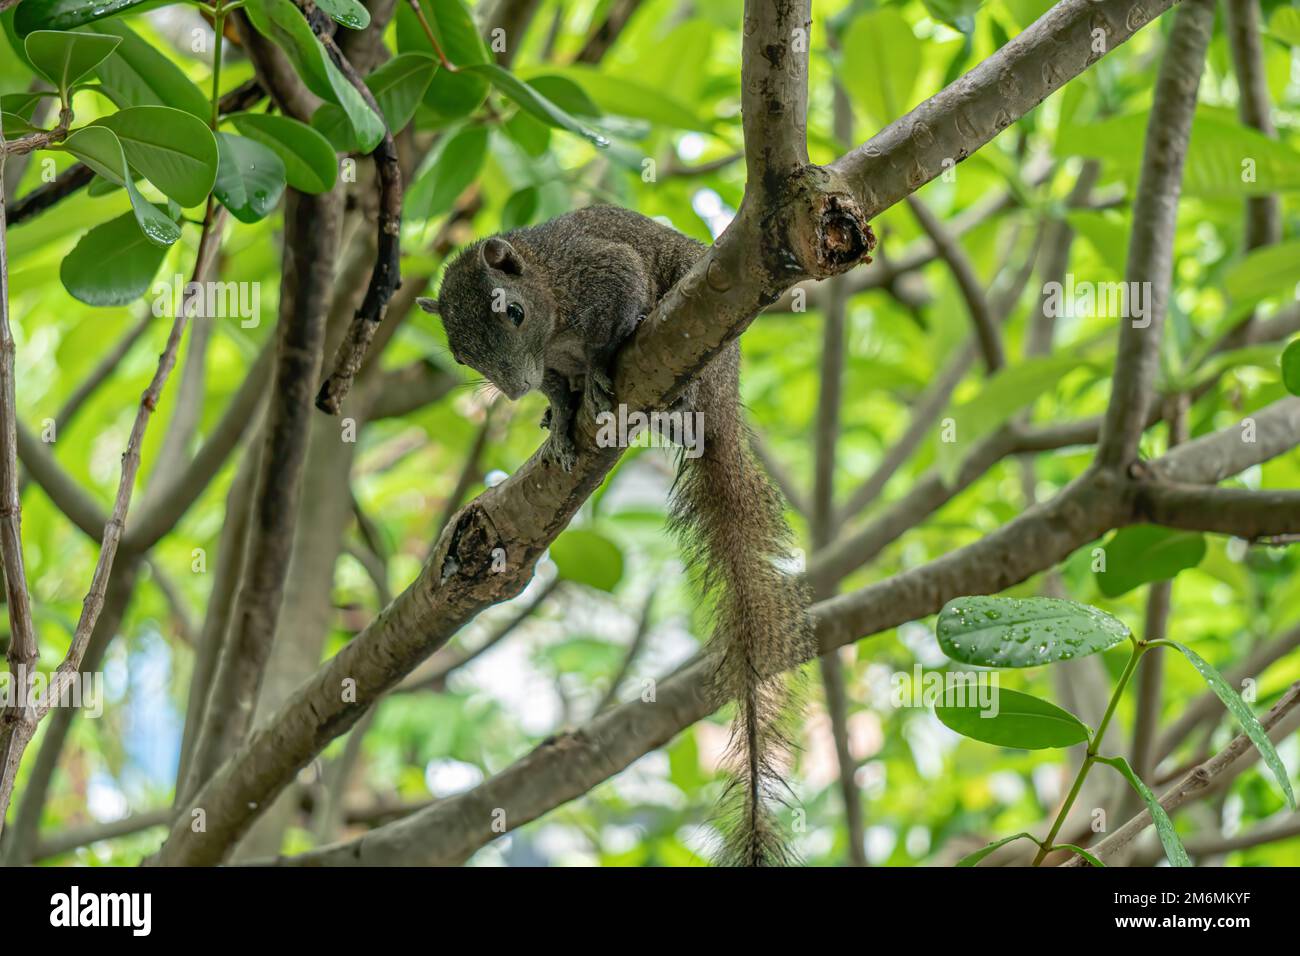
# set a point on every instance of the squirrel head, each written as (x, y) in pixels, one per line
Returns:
(498, 313)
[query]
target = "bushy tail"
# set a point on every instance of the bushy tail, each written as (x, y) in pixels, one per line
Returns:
(730, 521)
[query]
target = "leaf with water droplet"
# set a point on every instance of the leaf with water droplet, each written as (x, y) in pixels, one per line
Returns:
(535, 104)
(250, 177)
(1245, 716)
(1026, 632)
(347, 12)
(1174, 850)
(65, 14)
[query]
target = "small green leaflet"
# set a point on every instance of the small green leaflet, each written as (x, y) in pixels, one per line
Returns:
(973, 858)
(1245, 716)
(309, 161)
(347, 12)
(1014, 720)
(1174, 849)
(1024, 632)
(250, 178)
(589, 558)
(65, 58)
(1140, 554)
(1291, 367)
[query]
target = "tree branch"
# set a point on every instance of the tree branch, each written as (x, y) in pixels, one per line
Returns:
(1151, 247)
(311, 238)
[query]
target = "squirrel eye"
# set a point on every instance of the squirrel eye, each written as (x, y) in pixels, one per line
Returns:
(516, 313)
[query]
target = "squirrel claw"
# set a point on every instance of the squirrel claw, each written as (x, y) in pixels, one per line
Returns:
(546, 419)
(600, 390)
(559, 450)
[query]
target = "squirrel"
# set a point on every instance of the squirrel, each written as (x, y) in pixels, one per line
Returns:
(547, 307)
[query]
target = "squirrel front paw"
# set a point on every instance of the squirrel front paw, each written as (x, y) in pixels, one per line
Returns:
(546, 418)
(599, 390)
(560, 450)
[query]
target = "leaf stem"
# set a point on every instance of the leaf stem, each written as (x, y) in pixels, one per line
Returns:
(219, 27)
(428, 31)
(1139, 647)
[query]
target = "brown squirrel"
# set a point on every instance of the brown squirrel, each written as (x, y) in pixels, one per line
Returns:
(547, 308)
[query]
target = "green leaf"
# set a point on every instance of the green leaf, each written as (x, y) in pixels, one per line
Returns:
(1079, 851)
(173, 149)
(1244, 715)
(64, 58)
(1014, 720)
(881, 61)
(1264, 272)
(112, 264)
(958, 14)
(565, 93)
(347, 12)
(1291, 367)
(23, 104)
(100, 149)
(624, 97)
(65, 14)
(588, 558)
(1024, 632)
(451, 95)
(15, 126)
(528, 134)
(1142, 553)
(1224, 156)
(281, 21)
(972, 858)
(250, 177)
(309, 161)
(400, 84)
(520, 208)
(536, 105)
(397, 86)
(1285, 25)
(449, 173)
(137, 74)
(1174, 850)
(1000, 398)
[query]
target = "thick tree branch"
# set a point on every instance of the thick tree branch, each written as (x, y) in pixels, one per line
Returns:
(311, 238)
(965, 115)
(1263, 213)
(1151, 245)
(1235, 511)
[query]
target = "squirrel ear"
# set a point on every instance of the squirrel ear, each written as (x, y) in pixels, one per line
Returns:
(499, 254)
(429, 305)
